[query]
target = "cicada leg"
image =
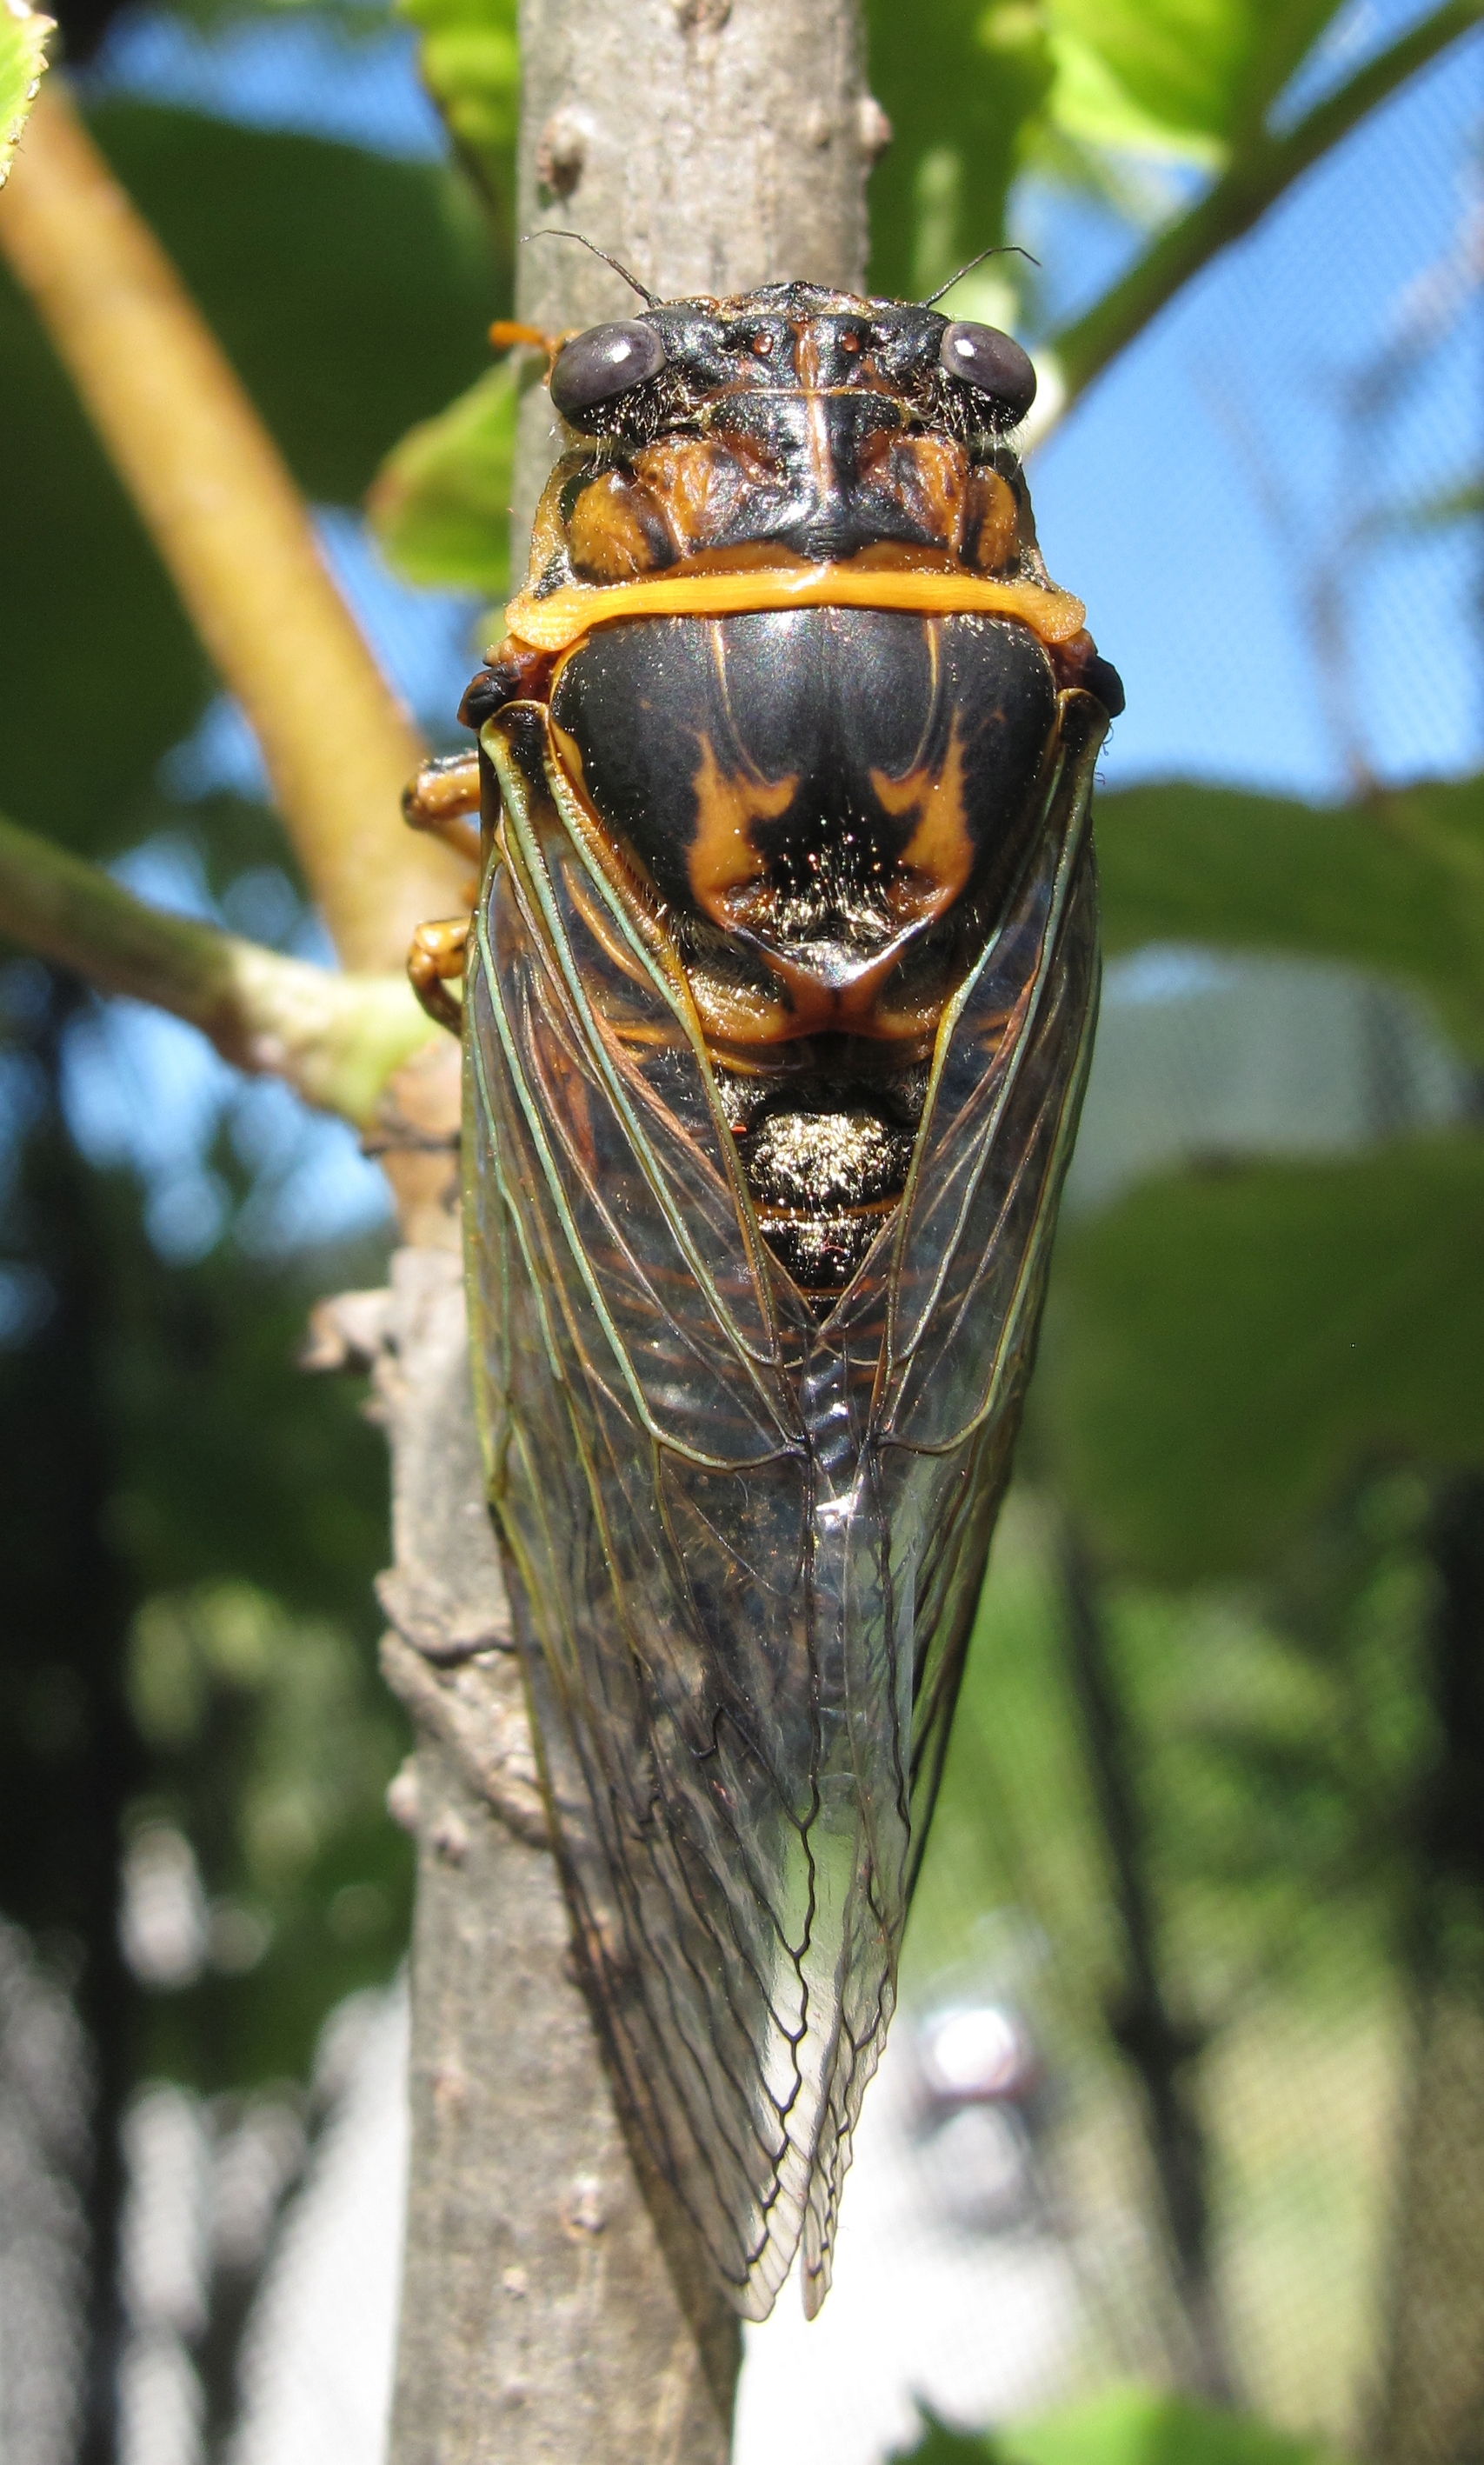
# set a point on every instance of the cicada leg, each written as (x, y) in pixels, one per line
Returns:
(444, 799)
(435, 962)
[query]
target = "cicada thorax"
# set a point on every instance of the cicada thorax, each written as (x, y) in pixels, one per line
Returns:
(827, 808)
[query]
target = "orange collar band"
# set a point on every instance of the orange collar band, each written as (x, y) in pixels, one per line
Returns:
(555, 623)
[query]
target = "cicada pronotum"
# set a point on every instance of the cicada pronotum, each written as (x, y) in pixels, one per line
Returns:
(778, 997)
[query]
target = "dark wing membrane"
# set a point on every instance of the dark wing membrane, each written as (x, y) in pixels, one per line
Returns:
(747, 1549)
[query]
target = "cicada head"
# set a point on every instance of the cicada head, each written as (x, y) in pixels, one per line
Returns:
(636, 377)
(793, 377)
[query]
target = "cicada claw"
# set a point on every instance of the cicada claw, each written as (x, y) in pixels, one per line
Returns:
(435, 962)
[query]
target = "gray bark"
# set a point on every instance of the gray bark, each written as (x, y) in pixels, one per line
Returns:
(554, 2307)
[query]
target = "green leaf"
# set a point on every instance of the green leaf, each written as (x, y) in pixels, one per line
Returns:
(1149, 2426)
(1091, 104)
(1259, 164)
(1396, 884)
(471, 65)
(1223, 1351)
(23, 37)
(960, 83)
(440, 503)
(1185, 78)
(353, 293)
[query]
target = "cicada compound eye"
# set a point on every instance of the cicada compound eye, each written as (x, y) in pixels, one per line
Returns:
(993, 364)
(606, 360)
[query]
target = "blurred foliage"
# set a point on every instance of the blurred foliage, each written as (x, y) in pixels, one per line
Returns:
(271, 1742)
(1195, 79)
(1084, 90)
(166, 1450)
(1129, 2427)
(1280, 1738)
(168, 1468)
(23, 34)
(1223, 1349)
(1396, 884)
(1279, 1742)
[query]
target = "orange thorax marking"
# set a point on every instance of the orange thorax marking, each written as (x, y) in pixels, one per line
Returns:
(935, 863)
(722, 858)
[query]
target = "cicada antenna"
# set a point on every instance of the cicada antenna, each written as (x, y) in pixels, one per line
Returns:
(1008, 248)
(633, 280)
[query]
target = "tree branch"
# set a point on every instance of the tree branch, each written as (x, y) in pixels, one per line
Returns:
(233, 531)
(338, 1039)
(1255, 181)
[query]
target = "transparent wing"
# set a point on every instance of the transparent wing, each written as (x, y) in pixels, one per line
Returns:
(746, 1548)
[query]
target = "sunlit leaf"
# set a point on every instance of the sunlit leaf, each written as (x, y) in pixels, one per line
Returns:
(471, 65)
(23, 37)
(1091, 104)
(1396, 884)
(1177, 77)
(1257, 159)
(441, 502)
(959, 82)
(1223, 1350)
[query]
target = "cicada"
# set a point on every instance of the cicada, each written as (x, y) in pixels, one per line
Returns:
(779, 994)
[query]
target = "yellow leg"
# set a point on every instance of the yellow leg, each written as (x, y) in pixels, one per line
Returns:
(435, 962)
(442, 799)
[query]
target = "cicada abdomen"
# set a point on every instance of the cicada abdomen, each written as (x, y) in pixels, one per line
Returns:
(778, 1000)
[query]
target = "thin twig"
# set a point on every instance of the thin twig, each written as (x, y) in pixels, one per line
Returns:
(233, 531)
(338, 1039)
